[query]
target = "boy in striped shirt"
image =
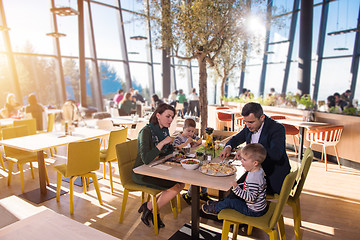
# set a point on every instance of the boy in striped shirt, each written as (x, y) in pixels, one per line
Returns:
(248, 194)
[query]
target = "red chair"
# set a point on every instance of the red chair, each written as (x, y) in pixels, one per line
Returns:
(240, 123)
(289, 130)
(325, 136)
(223, 118)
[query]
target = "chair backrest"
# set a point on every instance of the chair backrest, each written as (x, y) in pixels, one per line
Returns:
(126, 155)
(328, 134)
(105, 124)
(277, 117)
(302, 174)
(116, 137)
(114, 112)
(51, 122)
(179, 106)
(29, 123)
(283, 197)
(223, 116)
(13, 132)
(83, 157)
(133, 133)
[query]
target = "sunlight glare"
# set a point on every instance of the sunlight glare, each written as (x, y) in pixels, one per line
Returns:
(255, 25)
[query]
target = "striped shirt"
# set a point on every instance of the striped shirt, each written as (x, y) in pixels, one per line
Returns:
(180, 139)
(254, 191)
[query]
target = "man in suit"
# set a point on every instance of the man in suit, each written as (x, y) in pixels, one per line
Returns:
(271, 134)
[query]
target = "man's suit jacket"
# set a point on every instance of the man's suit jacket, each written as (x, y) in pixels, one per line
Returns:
(276, 164)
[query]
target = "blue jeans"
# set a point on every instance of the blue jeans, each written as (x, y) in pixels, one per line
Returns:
(234, 202)
(203, 190)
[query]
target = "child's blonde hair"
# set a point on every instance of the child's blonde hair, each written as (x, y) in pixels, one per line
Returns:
(255, 151)
(189, 122)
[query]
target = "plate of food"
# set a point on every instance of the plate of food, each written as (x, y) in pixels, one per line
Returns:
(190, 155)
(217, 169)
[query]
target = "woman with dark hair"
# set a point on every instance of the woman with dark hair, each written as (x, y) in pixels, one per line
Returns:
(154, 141)
(156, 101)
(36, 111)
(127, 105)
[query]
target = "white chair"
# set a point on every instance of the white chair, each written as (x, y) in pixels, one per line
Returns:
(133, 133)
(326, 137)
(180, 107)
(114, 112)
(105, 124)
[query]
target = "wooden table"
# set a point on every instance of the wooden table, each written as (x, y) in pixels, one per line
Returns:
(194, 177)
(38, 143)
(127, 121)
(232, 112)
(50, 225)
(302, 125)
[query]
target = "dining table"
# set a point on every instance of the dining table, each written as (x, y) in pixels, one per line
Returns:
(198, 179)
(232, 112)
(40, 142)
(127, 121)
(302, 126)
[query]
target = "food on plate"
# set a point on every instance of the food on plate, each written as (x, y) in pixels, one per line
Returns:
(190, 162)
(217, 169)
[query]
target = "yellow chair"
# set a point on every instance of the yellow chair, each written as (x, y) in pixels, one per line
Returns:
(82, 160)
(126, 155)
(17, 156)
(109, 155)
(266, 222)
(29, 123)
(2, 162)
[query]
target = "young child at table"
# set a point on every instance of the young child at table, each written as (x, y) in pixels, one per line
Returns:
(248, 194)
(188, 137)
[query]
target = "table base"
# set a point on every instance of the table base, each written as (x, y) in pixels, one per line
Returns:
(37, 197)
(78, 181)
(185, 233)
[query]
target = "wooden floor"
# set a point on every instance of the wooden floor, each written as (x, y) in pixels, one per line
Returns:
(330, 206)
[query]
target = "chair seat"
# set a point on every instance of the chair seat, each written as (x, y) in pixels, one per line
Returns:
(103, 153)
(262, 222)
(291, 130)
(21, 157)
(131, 186)
(61, 169)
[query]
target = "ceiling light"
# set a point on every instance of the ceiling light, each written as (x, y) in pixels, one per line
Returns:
(56, 34)
(133, 53)
(64, 11)
(138, 37)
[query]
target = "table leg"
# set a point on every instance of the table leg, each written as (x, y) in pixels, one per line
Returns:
(195, 212)
(233, 122)
(42, 176)
(301, 143)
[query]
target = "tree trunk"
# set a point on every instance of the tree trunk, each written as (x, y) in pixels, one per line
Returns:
(222, 88)
(203, 93)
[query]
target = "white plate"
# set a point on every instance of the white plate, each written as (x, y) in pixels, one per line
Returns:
(190, 155)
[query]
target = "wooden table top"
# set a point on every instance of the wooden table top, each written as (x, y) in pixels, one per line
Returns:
(50, 225)
(38, 142)
(300, 123)
(126, 120)
(195, 177)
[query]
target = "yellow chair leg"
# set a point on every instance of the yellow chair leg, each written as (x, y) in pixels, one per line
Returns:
(58, 186)
(10, 166)
(51, 152)
(235, 231)
(104, 170)
(2, 162)
(72, 195)
(32, 170)
(225, 230)
(156, 229)
(142, 197)
(249, 230)
(148, 198)
(111, 179)
(173, 208)
(123, 205)
(178, 202)
(273, 235)
(84, 183)
(297, 218)
(96, 185)
(281, 228)
(21, 177)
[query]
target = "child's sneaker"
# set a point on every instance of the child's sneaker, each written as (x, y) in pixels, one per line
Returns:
(209, 209)
(205, 197)
(187, 198)
(210, 202)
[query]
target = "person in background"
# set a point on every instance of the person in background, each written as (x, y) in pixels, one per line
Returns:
(331, 105)
(119, 96)
(243, 93)
(127, 105)
(346, 96)
(339, 102)
(132, 91)
(154, 141)
(248, 196)
(11, 106)
(269, 133)
(36, 111)
(138, 96)
(181, 98)
(156, 101)
(172, 98)
(194, 103)
(188, 137)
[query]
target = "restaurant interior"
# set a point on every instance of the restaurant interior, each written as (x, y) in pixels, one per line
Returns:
(298, 59)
